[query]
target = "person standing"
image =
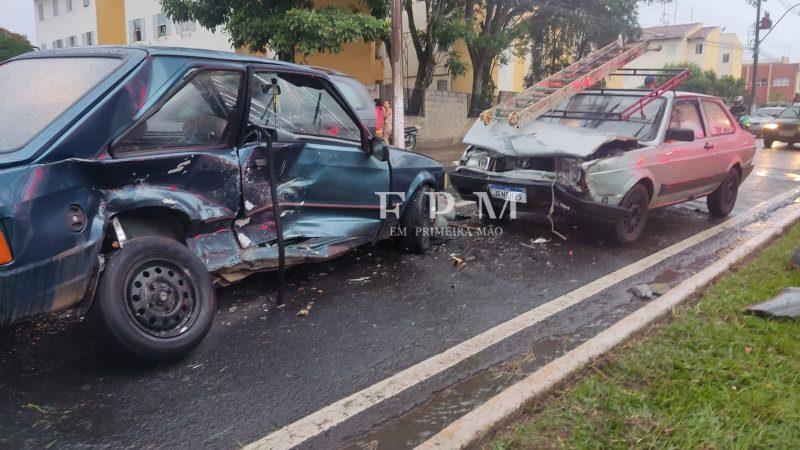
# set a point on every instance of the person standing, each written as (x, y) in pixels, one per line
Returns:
(650, 82)
(387, 121)
(379, 120)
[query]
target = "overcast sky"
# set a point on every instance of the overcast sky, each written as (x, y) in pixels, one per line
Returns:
(734, 15)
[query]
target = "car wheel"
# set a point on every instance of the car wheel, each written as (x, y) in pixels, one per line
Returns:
(723, 199)
(411, 142)
(417, 222)
(768, 142)
(155, 299)
(628, 230)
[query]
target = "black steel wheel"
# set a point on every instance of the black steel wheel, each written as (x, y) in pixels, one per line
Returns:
(628, 230)
(155, 299)
(723, 199)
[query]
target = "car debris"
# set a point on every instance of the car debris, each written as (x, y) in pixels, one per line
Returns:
(643, 291)
(458, 262)
(359, 280)
(784, 306)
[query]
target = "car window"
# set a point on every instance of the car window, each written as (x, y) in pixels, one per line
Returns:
(39, 90)
(718, 121)
(792, 112)
(300, 104)
(686, 114)
(197, 115)
(355, 92)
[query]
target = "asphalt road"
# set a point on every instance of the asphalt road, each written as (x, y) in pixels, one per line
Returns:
(262, 368)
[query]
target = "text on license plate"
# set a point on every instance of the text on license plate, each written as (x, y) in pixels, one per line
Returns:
(509, 193)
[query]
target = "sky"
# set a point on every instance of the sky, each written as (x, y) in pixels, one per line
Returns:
(735, 15)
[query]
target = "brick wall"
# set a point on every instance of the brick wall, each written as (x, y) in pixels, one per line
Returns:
(445, 122)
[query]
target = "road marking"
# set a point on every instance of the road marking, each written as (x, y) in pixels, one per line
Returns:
(472, 427)
(334, 414)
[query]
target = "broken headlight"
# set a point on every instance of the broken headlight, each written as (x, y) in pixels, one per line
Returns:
(569, 170)
(476, 159)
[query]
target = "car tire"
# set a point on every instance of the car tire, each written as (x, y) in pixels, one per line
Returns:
(723, 199)
(411, 142)
(417, 222)
(768, 142)
(628, 230)
(155, 299)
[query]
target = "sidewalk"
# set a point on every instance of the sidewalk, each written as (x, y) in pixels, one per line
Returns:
(712, 377)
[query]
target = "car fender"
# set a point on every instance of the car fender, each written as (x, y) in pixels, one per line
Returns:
(197, 209)
(610, 184)
(422, 178)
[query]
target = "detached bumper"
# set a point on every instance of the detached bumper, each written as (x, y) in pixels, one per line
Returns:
(539, 195)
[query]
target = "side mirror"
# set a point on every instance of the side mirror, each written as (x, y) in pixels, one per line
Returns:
(379, 149)
(680, 134)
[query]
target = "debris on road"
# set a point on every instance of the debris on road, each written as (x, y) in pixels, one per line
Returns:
(359, 280)
(541, 240)
(785, 306)
(659, 289)
(458, 262)
(232, 309)
(642, 291)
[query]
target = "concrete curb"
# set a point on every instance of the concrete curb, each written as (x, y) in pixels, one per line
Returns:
(472, 427)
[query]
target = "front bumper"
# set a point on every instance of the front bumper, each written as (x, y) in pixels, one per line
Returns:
(539, 193)
(782, 134)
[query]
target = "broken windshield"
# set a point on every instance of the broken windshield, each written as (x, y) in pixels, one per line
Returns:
(601, 112)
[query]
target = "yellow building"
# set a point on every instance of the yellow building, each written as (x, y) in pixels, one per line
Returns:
(708, 47)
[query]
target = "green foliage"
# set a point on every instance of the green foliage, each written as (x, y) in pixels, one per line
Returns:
(13, 44)
(285, 26)
(706, 82)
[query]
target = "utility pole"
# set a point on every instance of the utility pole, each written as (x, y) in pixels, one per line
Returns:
(756, 43)
(398, 109)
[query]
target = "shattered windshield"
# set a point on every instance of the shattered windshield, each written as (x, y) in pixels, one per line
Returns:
(39, 90)
(792, 112)
(600, 112)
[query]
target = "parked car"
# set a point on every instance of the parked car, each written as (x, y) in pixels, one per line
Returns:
(135, 179)
(584, 160)
(784, 128)
(763, 116)
(357, 95)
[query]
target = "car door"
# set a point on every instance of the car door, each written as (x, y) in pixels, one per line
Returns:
(723, 145)
(682, 167)
(327, 183)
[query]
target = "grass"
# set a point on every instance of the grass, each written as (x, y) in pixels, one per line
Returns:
(712, 377)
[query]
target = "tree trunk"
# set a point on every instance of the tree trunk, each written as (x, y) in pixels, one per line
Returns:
(423, 79)
(481, 77)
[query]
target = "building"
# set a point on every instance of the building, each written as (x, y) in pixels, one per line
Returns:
(74, 23)
(708, 47)
(777, 82)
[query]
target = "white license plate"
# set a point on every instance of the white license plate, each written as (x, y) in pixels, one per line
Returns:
(511, 194)
(786, 133)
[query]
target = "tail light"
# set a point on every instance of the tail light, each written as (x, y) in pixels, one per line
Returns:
(5, 250)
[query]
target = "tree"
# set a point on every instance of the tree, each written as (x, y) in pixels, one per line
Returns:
(707, 82)
(564, 31)
(287, 27)
(13, 44)
(444, 24)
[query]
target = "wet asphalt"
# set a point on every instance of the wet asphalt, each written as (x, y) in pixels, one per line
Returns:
(373, 312)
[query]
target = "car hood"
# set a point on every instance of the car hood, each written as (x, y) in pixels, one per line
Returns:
(786, 121)
(539, 139)
(761, 119)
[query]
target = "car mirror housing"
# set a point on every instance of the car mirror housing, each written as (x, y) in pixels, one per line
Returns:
(680, 134)
(379, 149)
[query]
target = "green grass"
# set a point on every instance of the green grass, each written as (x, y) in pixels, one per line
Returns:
(712, 377)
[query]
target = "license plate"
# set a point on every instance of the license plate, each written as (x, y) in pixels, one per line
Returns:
(788, 133)
(509, 193)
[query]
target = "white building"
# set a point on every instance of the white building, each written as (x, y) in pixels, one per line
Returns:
(74, 23)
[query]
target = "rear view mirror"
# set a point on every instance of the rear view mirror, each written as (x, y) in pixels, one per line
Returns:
(379, 149)
(272, 88)
(680, 134)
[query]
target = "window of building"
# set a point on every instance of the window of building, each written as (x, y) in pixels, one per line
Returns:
(441, 85)
(69, 6)
(40, 11)
(718, 120)
(197, 115)
(698, 49)
(58, 44)
(85, 2)
(761, 83)
(726, 58)
(780, 82)
(55, 8)
(137, 30)
(160, 25)
(184, 27)
(88, 38)
(72, 41)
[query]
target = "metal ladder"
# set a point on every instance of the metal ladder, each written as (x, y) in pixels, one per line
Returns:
(545, 95)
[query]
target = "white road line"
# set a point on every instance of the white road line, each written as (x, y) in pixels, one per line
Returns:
(334, 414)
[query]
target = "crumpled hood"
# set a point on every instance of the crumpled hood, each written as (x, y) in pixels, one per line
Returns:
(539, 139)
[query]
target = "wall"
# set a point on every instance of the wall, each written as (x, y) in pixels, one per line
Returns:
(80, 20)
(445, 122)
(110, 21)
(199, 38)
(771, 72)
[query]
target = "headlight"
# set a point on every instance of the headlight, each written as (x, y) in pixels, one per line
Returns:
(476, 159)
(569, 169)
(771, 126)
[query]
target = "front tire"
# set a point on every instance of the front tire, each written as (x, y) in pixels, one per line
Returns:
(628, 230)
(417, 222)
(723, 199)
(768, 142)
(155, 300)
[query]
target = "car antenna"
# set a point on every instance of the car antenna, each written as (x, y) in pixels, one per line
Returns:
(276, 209)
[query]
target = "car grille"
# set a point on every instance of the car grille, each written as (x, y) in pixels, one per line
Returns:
(508, 163)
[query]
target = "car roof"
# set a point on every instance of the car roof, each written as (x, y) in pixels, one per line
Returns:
(169, 51)
(643, 92)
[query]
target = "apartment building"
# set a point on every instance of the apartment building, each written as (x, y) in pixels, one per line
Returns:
(778, 81)
(708, 47)
(74, 23)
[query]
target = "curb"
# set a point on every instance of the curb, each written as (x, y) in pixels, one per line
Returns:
(474, 426)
